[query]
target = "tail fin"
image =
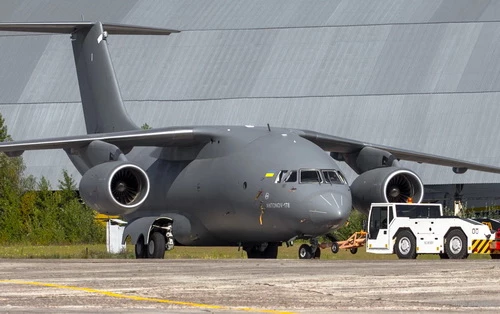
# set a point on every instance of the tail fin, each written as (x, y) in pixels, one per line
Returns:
(101, 99)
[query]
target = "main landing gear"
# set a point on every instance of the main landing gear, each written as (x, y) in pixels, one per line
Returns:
(161, 239)
(263, 250)
(307, 251)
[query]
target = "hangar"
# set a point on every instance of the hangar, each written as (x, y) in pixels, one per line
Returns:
(417, 74)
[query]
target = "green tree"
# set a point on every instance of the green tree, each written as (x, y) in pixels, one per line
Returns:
(46, 225)
(77, 219)
(67, 187)
(31, 211)
(4, 135)
(11, 170)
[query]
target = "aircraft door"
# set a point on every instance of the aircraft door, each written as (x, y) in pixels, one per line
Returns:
(378, 235)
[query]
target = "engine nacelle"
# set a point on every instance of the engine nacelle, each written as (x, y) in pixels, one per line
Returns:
(367, 159)
(386, 185)
(114, 188)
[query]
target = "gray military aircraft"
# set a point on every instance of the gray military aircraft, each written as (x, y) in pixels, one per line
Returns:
(253, 187)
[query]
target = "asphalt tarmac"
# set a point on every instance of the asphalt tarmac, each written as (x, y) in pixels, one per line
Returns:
(255, 286)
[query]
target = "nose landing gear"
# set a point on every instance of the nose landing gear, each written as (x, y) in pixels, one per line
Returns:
(307, 251)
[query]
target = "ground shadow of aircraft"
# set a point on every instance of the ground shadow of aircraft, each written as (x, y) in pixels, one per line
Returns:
(252, 187)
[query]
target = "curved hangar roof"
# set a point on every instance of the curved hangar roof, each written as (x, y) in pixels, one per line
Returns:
(422, 75)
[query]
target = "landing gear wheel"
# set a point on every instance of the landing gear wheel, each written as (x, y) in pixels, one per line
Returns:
(353, 250)
(405, 245)
(456, 244)
(156, 246)
(305, 252)
(317, 254)
(271, 251)
(140, 248)
(257, 251)
(335, 247)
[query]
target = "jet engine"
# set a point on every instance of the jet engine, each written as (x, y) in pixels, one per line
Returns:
(114, 188)
(386, 185)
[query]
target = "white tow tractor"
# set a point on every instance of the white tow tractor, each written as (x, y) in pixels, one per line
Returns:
(410, 229)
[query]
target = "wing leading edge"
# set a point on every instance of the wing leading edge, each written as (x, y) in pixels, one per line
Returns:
(163, 137)
(70, 27)
(346, 146)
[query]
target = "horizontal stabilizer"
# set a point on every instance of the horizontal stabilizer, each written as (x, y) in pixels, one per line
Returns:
(102, 102)
(71, 27)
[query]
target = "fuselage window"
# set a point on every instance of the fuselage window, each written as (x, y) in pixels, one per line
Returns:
(310, 176)
(292, 176)
(281, 175)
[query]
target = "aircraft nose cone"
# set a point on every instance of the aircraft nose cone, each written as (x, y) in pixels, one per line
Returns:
(329, 210)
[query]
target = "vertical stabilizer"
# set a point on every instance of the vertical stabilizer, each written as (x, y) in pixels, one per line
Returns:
(101, 99)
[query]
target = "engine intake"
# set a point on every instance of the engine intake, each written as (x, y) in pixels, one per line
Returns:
(114, 188)
(386, 185)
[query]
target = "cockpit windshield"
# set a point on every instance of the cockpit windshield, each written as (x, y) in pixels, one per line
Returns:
(292, 176)
(310, 176)
(334, 177)
(331, 177)
(305, 176)
(281, 176)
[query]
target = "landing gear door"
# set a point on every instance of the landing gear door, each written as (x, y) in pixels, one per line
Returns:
(378, 233)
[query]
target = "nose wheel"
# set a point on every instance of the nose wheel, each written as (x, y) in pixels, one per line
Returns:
(307, 251)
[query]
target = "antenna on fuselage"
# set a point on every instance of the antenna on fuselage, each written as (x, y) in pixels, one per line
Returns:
(268, 127)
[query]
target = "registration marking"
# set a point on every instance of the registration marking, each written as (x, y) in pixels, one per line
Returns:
(278, 205)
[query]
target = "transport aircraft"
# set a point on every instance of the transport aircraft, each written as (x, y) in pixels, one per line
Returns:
(252, 187)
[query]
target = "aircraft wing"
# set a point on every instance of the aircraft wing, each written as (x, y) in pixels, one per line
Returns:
(69, 27)
(162, 137)
(343, 145)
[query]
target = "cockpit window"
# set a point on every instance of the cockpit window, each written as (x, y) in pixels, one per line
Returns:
(292, 176)
(331, 177)
(342, 177)
(310, 176)
(334, 177)
(281, 175)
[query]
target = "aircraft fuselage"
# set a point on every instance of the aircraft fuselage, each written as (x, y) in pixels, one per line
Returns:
(248, 185)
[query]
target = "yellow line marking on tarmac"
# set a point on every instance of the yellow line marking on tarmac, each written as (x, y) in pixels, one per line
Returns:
(138, 298)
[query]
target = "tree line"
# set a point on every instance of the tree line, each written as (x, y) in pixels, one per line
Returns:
(32, 212)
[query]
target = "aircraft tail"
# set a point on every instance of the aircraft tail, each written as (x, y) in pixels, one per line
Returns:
(103, 107)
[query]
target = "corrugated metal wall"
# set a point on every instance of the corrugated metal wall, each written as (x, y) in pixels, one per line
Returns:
(421, 75)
